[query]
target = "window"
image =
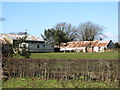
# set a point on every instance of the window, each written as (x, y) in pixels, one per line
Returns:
(99, 49)
(32, 42)
(2, 48)
(38, 46)
(43, 46)
(24, 45)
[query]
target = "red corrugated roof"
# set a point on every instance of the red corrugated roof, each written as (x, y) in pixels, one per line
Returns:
(101, 44)
(85, 43)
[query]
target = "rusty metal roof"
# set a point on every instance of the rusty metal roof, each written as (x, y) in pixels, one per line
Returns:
(32, 38)
(3, 41)
(85, 43)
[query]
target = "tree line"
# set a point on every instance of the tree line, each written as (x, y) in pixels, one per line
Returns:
(64, 32)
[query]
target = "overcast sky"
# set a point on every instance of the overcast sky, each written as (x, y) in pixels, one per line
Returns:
(38, 16)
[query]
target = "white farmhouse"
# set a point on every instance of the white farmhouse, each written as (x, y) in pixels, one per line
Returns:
(33, 43)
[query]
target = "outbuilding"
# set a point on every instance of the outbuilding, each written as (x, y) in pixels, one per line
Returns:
(87, 46)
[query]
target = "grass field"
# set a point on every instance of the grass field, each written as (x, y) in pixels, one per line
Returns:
(79, 55)
(38, 83)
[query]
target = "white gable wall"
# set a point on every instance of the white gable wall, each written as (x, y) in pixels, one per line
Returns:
(99, 49)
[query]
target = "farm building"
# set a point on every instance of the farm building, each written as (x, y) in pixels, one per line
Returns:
(34, 44)
(5, 47)
(87, 46)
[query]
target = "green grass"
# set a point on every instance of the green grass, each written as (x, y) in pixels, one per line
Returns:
(78, 55)
(38, 83)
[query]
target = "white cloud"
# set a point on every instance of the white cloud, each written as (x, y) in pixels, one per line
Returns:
(108, 34)
(111, 36)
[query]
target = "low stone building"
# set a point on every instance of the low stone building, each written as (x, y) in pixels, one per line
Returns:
(87, 46)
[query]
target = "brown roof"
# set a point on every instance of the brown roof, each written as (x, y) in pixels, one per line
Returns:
(85, 43)
(3, 41)
(101, 44)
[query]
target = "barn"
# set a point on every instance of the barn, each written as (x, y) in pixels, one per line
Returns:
(33, 43)
(87, 46)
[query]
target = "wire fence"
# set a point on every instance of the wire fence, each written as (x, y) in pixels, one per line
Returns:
(85, 70)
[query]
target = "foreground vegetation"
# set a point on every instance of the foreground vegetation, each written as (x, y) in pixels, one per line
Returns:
(38, 83)
(74, 55)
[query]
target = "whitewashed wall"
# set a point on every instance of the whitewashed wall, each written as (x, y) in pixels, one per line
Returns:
(74, 49)
(40, 47)
(82, 48)
(95, 49)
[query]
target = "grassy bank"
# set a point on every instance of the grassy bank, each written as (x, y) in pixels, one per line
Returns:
(79, 55)
(38, 83)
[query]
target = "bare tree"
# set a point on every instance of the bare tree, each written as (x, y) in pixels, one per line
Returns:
(22, 33)
(89, 31)
(2, 19)
(69, 30)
